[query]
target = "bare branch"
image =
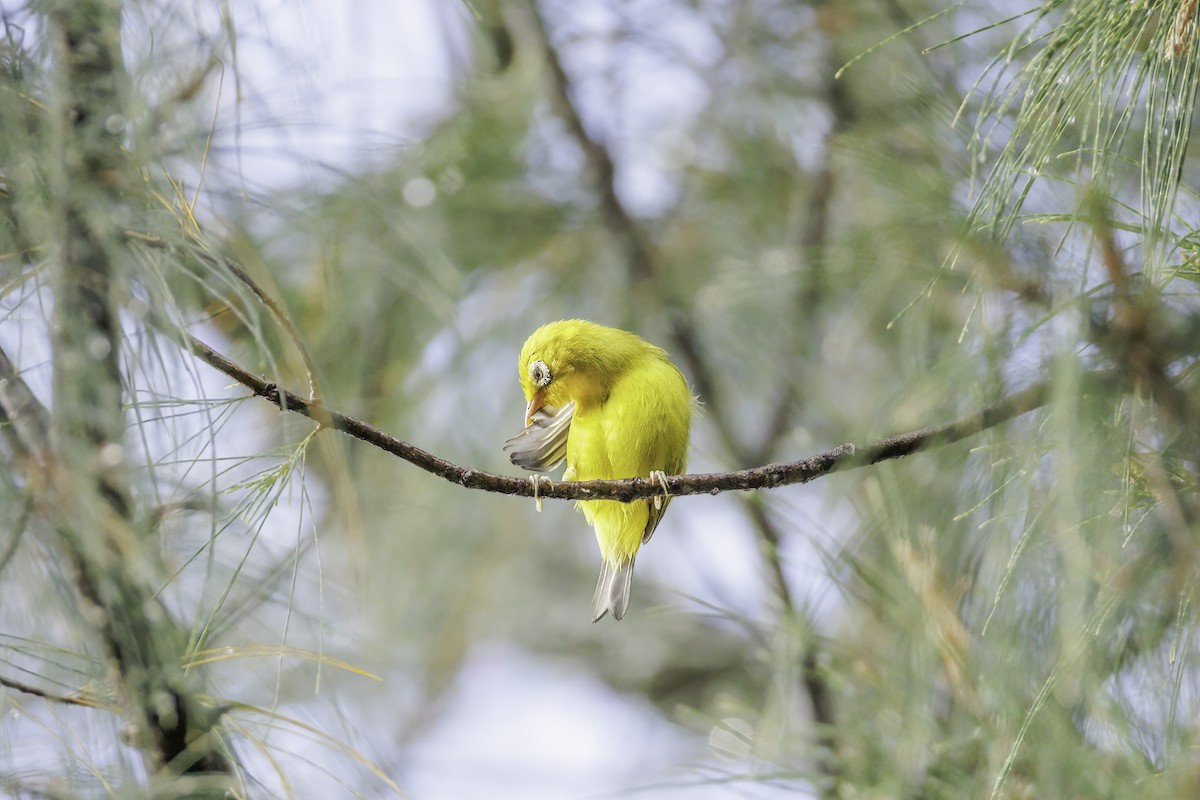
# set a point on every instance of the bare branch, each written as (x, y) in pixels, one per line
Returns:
(26, 688)
(770, 476)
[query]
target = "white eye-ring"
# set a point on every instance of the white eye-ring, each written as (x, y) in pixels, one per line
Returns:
(539, 373)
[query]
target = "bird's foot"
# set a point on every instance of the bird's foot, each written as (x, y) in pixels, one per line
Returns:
(661, 477)
(536, 480)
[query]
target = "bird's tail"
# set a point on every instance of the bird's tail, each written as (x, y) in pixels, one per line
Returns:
(612, 590)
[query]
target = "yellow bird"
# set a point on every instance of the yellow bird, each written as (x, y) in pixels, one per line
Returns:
(613, 406)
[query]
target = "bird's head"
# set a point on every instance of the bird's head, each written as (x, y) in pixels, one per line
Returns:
(569, 361)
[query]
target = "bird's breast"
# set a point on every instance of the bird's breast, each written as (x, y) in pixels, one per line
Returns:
(587, 448)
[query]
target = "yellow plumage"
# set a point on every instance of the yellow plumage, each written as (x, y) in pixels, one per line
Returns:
(623, 410)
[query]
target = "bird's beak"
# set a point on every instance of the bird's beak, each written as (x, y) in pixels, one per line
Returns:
(537, 401)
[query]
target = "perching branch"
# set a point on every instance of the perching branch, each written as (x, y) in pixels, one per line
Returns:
(770, 476)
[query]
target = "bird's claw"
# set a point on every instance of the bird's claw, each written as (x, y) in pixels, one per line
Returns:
(536, 480)
(661, 477)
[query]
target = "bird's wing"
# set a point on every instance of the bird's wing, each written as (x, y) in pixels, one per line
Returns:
(648, 430)
(542, 446)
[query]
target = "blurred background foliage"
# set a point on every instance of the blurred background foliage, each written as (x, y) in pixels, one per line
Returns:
(999, 196)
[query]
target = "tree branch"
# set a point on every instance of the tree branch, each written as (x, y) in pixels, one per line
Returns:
(841, 458)
(201, 253)
(80, 474)
(26, 688)
(599, 160)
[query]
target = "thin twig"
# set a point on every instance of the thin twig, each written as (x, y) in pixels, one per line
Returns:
(26, 688)
(282, 317)
(235, 269)
(841, 458)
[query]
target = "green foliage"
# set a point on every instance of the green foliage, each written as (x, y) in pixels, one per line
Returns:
(1104, 94)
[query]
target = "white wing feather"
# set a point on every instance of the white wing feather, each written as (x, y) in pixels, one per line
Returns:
(542, 446)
